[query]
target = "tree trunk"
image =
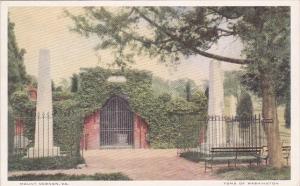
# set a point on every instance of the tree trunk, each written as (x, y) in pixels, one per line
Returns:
(271, 124)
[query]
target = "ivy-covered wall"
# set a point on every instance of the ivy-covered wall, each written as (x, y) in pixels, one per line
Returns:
(158, 111)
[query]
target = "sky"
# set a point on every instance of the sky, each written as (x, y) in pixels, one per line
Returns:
(47, 27)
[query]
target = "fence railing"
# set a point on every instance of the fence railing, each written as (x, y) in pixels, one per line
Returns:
(66, 132)
(45, 135)
(219, 131)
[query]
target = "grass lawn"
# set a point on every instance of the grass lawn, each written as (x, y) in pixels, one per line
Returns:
(192, 156)
(65, 177)
(61, 162)
(255, 173)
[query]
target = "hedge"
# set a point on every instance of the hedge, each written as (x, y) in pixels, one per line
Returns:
(46, 163)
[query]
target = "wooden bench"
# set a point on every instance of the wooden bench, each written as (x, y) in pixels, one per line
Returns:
(286, 151)
(232, 154)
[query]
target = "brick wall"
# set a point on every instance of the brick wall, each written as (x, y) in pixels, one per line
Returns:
(92, 132)
(140, 132)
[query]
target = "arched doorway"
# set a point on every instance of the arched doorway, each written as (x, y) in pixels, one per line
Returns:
(116, 124)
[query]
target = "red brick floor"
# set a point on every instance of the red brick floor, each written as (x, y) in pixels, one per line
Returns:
(138, 164)
(146, 164)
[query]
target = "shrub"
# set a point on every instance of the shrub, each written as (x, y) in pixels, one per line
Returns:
(255, 173)
(193, 156)
(244, 109)
(65, 177)
(61, 162)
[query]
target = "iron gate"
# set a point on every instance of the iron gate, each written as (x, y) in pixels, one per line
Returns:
(116, 124)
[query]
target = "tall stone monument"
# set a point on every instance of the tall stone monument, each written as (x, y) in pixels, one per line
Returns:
(43, 139)
(216, 128)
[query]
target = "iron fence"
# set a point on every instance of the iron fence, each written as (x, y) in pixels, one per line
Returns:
(194, 132)
(44, 135)
(199, 134)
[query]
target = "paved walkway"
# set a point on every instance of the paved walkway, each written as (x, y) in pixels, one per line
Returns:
(138, 164)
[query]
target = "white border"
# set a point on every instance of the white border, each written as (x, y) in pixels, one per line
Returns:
(3, 85)
(295, 83)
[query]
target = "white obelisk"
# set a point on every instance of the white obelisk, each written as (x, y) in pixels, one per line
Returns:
(43, 139)
(216, 128)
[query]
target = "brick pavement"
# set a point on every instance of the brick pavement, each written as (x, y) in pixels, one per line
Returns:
(138, 164)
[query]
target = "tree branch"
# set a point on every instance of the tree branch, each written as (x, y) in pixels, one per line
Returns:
(194, 49)
(222, 14)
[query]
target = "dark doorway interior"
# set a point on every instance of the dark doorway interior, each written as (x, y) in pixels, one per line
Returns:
(116, 124)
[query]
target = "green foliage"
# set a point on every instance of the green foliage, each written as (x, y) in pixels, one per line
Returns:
(68, 121)
(59, 95)
(181, 105)
(200, 100)
(64, 85)
(267, 41)
(244, 109)
(17, 76)
(264, 31)
(232, 83)
(11, 130)
(18, 102)
(196, 28)
(23, 109)
(65, 177)
(255, 173)
(188, 91)
(161, 86)
(95, 90)
(21, 103)
(207, 92)
(74, 83)
(193, 156)
(189, 126)
(165, 98)
(60, 162)
(184, 87)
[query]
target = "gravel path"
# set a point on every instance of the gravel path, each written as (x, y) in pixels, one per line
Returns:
(138, 164)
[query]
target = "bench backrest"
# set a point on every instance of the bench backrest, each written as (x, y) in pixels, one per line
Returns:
(235, 151)
(286, 150)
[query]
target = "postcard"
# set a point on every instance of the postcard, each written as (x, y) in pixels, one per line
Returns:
(163, 92)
